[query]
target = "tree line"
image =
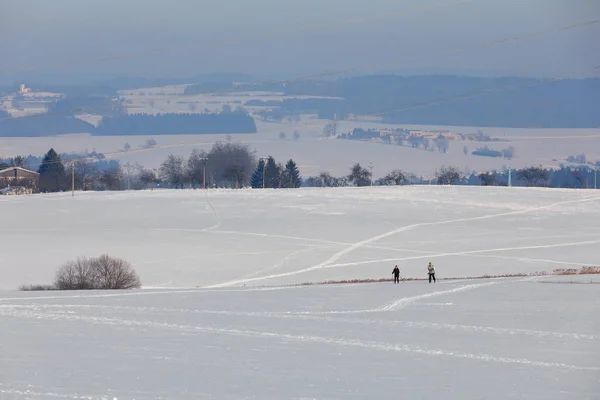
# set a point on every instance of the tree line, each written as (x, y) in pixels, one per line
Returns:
(235, 165)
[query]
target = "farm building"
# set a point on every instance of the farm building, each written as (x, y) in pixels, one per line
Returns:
(19, 179)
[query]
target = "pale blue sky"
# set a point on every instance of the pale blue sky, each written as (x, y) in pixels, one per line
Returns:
(38, 33)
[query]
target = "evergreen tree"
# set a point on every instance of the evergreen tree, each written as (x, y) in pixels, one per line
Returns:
(291, 175)
(272, 174)
(52, 172)
(257, 176)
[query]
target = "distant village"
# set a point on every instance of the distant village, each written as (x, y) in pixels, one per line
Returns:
(28, 102)
(412, 137)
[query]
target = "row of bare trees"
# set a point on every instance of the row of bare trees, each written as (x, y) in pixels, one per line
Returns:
(225, 165)
(358, 176)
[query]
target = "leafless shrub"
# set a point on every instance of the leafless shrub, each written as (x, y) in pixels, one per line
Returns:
(102, 272)
(113, 273)
(565, 271)
(75, 275)
(36, 288)
(589, 270)
(586, 270)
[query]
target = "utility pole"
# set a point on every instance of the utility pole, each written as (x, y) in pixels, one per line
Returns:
(371, 168)
(128, 172)
(73, 179)
(204, 173)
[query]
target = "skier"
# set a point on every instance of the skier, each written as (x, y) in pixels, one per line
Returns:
(396, 273)
(431, 272)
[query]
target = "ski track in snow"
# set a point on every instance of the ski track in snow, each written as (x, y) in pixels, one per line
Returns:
(28, 394)
(138, 310)
(146, 293)
(281, 262)
(299, 338)
(338, 255)
(215, 214)
(470, 252)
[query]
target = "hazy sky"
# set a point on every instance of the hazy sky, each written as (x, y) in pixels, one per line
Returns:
(225, 36)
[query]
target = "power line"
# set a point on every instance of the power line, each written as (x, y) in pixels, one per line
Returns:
(482, 93)
(238, 39)
(345, 70)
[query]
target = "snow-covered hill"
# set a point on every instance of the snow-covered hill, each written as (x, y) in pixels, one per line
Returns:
(225, 238)
(242, 335)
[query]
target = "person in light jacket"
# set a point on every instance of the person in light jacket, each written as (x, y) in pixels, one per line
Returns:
(431, 272)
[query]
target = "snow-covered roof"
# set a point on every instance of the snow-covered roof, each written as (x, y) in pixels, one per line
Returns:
(18, 168)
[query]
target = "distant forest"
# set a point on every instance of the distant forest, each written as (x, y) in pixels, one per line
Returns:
(443, 100)
(43, 125)
(88, 104)
(141, 124)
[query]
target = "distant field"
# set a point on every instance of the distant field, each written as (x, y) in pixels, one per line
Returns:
(547, 147)
(533, 147)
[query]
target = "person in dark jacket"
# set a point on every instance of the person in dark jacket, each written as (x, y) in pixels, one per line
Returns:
(396, 273)
(431, 272)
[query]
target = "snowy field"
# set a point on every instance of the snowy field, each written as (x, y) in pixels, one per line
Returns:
(314, 154)
(194, 238)
(497, 339)
(217, 321)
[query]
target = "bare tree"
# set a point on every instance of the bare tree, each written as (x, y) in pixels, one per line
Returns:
(148, 177)
(221, 158)
(326, 179)
(448, 176)
(86, 174)
(111, 177)
(395, 177)
(296, 135)
(150, 143)
(581, 177)
(237, 174)
(442, 144)
(465, 150)
(20, 161)
(113, 273)
(282, 135)
(127, 147)
(75, 275)
(195, 167)
(330, 129)
(172, 170)
(533, 175)
(359, 176)
(487, 179)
